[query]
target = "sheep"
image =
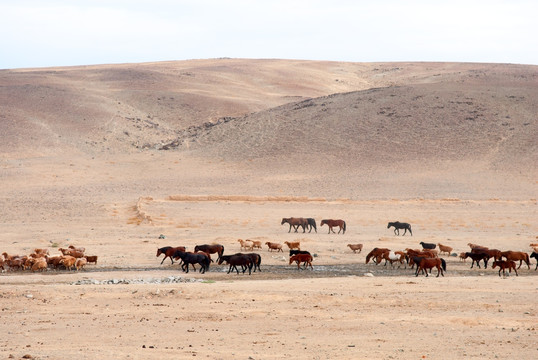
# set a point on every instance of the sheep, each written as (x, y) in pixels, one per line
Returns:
(274, 246)
(15, 263)
(355, 247)
(444, 249)
(293, 245)
(41, 251)
(71, 252)
(39, 265)
(81, 262)
(80, 249)
(245, 244)
(68, 261)
(256, 244)
(91, 259)
(54, 261)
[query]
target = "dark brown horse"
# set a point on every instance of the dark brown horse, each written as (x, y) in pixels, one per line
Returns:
(210, 249)
(503, 265)
(332, 223)
(169, 251)
(295, 222)
(430, 263)
(517, 255)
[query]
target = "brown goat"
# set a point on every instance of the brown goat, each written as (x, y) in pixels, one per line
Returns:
(293, 245)
(444, 249)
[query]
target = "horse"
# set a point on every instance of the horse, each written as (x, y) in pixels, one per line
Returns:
(210, 249)
(256, 260)
(502, 264)
(302, 258)
(295, 222)
(394, 256)
(517, 255)
(295, 252)
(535, 255)
(243, 260)
(430, 263)
(476, 258)
(491, 253)
(191, 258)
(377, 254)
(332, 223)
(169, 251)
(398, 225)
(311, 224)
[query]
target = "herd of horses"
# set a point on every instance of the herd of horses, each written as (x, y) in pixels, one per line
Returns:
(425, 259)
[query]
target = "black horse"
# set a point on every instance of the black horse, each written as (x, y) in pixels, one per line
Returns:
(245, 261)
(398, 225)
(476, 258)
(535, 255)
(311, 224)
(190, 258)
(295, 252)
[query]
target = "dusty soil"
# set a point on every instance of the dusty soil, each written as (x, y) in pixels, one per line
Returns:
(81, 163)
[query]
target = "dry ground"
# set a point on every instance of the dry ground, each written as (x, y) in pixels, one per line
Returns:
(450, 148)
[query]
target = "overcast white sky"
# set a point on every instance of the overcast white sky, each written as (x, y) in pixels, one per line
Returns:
(37, 33)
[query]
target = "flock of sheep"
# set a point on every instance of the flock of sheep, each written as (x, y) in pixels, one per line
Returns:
(40, 260)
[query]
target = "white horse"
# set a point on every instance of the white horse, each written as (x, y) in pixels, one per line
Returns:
(397, 257)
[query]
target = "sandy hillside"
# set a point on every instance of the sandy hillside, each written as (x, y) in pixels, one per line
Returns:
(111, 157)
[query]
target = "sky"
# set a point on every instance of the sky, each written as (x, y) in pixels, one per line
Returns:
(44, 33)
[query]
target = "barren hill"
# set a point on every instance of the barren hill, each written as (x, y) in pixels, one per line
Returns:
(430, 128)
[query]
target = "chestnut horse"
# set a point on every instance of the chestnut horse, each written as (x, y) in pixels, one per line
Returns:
(302, 258)
(430, 263)
(517, 255)
(502, 264)
(210, 249)
(377, 254)
(332, 223)
(169, 251)
(295, 222)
